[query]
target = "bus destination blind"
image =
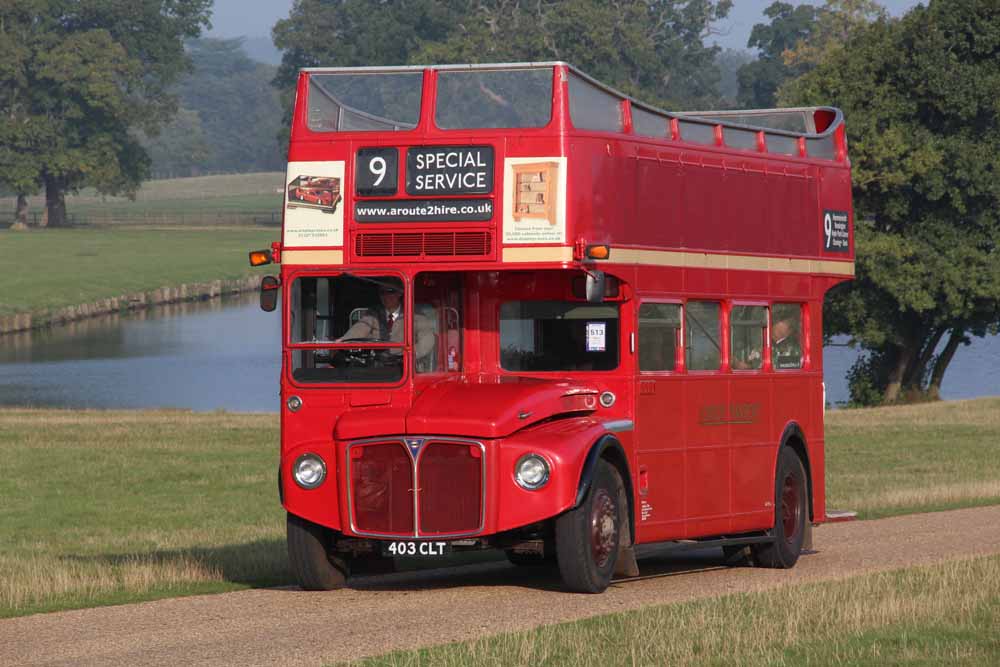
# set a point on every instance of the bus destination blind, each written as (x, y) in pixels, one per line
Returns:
(433, 173)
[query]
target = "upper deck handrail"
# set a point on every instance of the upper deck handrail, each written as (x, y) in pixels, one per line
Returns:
(712, 118)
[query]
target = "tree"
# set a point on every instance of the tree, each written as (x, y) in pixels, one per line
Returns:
(78, 78)
(919, 95)
(229, 117)
(796, 40)
(760, 80)
(730, 62)
(650, 48)
(181, 147)
(835, 22)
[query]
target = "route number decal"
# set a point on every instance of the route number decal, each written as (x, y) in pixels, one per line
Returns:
(836, 234)
(376, 172)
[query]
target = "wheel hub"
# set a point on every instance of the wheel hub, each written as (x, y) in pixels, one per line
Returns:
(791, 510)
(602, 528)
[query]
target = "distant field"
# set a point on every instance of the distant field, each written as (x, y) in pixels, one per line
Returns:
(944, 614)
(202, 200)
(110, 507)
(48, 269)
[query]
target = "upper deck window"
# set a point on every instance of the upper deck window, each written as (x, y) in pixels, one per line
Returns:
(493, 98)
(372, 101)
(593, 108)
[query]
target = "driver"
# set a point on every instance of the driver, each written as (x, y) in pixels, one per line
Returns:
(385, 322)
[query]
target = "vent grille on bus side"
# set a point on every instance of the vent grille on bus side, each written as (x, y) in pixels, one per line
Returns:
(423, 244)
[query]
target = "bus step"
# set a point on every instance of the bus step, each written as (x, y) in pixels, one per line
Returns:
(837, 516)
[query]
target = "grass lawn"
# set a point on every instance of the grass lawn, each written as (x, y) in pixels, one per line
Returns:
(936, 615)
(48, 269)
(197, 188)
(202, 200)
(916, 458)
(109, 507)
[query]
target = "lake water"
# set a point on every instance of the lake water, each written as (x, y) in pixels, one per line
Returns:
(223, 355)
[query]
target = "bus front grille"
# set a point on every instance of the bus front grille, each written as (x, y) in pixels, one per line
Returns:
(423, 487)
(381, 488)
(451, 488)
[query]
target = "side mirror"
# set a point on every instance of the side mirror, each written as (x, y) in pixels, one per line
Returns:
(269, 293)
(595, 286)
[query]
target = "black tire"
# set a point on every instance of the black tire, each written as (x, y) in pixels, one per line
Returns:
(791, 512)
(314, 567)
(587, 536)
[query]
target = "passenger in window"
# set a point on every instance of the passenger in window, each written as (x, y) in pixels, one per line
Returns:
(786, 351)
(384, 322)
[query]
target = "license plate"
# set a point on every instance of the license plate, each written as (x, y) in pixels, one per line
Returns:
(415, 549)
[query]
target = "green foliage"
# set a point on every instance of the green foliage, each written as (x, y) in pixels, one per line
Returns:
(76, 78)
(760, 80)
(796, 40)
(730, 62)
(649, 48)
(229, 115)
(920, 97)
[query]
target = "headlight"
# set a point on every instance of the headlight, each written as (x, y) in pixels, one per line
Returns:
(309, 471)
(531, 472)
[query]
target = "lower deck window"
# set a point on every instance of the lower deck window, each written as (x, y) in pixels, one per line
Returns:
(558, 336)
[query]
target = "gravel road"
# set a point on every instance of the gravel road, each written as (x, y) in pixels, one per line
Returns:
(378, 614)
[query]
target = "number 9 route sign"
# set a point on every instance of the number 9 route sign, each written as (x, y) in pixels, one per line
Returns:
(375, 172)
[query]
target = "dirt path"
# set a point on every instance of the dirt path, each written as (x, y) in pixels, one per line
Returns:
(289, 627)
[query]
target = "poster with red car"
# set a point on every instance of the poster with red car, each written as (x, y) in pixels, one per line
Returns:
(314, 211)
(322, 192)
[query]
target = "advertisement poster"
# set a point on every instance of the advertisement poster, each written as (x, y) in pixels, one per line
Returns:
(534, 194)
(314, 204)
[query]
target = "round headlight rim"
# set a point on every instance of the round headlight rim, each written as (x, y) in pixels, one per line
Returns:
(295, 470)
(517, 471)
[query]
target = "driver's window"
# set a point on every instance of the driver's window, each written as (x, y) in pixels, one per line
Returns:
(348, 308)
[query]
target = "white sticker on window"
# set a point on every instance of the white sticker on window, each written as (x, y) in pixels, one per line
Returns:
(596, 336)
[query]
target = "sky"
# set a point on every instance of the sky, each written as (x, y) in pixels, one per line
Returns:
(254, 18)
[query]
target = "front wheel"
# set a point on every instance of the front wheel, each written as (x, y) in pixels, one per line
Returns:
(791, 511)
(309, 555)
(587, 536)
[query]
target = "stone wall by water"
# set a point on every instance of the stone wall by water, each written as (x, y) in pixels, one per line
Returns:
(128, 302)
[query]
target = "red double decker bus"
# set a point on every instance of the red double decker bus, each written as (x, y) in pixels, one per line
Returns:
(552, 320)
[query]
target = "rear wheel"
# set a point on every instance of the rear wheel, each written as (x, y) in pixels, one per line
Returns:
(310, 557)
(587, 536)
(791, 512)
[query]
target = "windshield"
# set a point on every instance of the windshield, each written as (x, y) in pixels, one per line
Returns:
(493, 98)
(558, 336)
(359, 102)
(369, 312)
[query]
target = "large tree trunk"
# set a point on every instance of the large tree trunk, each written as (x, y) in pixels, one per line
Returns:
(20, 212)
(914, 377)
(941, 365)
(904, 356)
(55, 203)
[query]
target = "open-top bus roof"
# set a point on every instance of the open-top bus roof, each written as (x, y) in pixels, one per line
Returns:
(773, 121)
